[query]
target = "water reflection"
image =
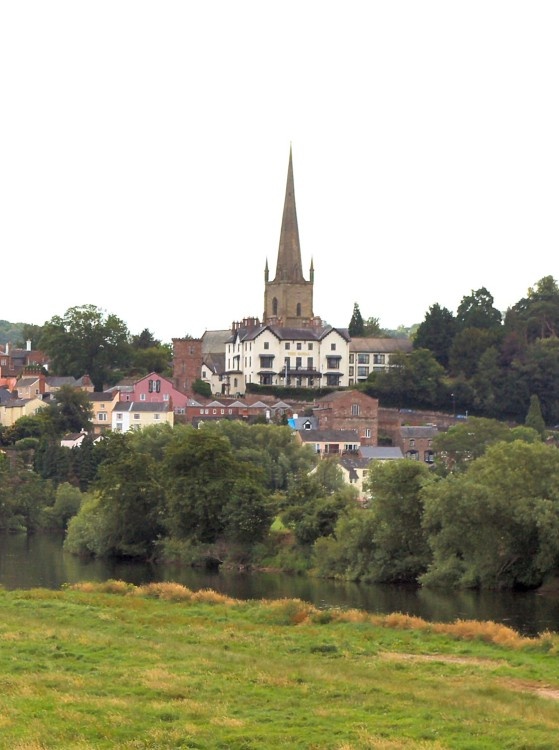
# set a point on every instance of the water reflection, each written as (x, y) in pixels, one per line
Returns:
(39, 561)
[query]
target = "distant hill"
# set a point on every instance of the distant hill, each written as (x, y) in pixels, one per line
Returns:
(11, 332)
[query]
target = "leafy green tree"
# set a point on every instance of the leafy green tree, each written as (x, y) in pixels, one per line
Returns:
(538, 374)
(534, 417)
(85, 463)
(66, 505)
(401, 551)
(487, 384)
(348, 553)
(202, 388)
(497, 524)
(22, 428)
(201, 472)
(247, 513)
(145, 340)
(86, 341)
(271, 448)
(372, 329)
(464, 442)
(414, 379)
(154, 359)
(468, 347)
(436, 333)
(71, 411)
(131, 504)
(313, 508)
(536, 316)
(31, 333)
(356, 324)
(477, 310)
(53, 461)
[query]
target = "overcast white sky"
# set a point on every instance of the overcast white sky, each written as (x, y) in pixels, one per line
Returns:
(144, 151)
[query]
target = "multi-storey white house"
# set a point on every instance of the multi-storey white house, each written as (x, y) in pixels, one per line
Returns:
(135, 415)
(367, 355)
(274, 355)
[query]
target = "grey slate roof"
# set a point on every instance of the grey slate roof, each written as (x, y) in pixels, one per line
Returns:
(418, 432)
(380, 345)
(380, 453)
(101, 396)
(329, 436)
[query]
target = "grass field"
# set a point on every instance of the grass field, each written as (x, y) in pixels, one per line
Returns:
(158, 667)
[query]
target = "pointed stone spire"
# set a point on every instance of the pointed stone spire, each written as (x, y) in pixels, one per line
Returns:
(289, 266)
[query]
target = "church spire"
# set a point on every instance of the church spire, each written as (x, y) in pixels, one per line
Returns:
(289, 266)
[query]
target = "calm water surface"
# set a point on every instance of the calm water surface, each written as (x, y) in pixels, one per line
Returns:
(39, 561)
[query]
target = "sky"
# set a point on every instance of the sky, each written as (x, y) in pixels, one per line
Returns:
(144, 150)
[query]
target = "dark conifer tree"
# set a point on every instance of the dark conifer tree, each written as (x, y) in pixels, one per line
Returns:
(356, 324)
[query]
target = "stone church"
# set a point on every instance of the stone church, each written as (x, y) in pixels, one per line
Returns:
(290, 346)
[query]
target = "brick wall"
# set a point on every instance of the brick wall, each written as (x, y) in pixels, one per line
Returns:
(187, 363)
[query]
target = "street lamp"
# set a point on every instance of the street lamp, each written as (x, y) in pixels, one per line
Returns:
(453, 404)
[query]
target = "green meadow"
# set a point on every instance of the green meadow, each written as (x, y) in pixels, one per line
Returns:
(158, 667)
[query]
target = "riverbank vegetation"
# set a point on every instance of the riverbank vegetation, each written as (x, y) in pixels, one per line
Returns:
(159, 666)
(486, 516)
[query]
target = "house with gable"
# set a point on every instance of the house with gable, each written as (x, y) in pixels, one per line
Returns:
(416, 442)
(349, 410)
(31, 386)
(135, 415)
(102, 405)
(152, 388)
(15, 408)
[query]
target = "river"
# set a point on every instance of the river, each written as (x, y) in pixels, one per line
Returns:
(38, 561)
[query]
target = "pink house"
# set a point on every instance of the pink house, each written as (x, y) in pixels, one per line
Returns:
(153, 388)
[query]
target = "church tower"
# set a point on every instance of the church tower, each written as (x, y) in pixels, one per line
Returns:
(288, 299)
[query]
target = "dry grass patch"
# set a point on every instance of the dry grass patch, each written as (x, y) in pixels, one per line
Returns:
(209, 596)
(488, 631)
(105, 587)
(170, 592)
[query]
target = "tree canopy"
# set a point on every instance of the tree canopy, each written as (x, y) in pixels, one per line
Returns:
(86, 341)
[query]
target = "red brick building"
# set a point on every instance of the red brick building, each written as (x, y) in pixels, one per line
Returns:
(349, 410)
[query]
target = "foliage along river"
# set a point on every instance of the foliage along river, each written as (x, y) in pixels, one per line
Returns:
(39, 562)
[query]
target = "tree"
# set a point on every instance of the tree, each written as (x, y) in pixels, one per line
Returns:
(313, 508)
(66, 505)
(71, 410)
(468, 347)
(497, 524)
(538, 374)
(464, 442)
(414, 379)
(536, 316)
(131, 504)
(202, 388)
(371, 328)
(153, 359)
(534, 417)
(86, 341)
(356, 325)
(476, 310)
(401, 551)
(201, 472)
(436, 333)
